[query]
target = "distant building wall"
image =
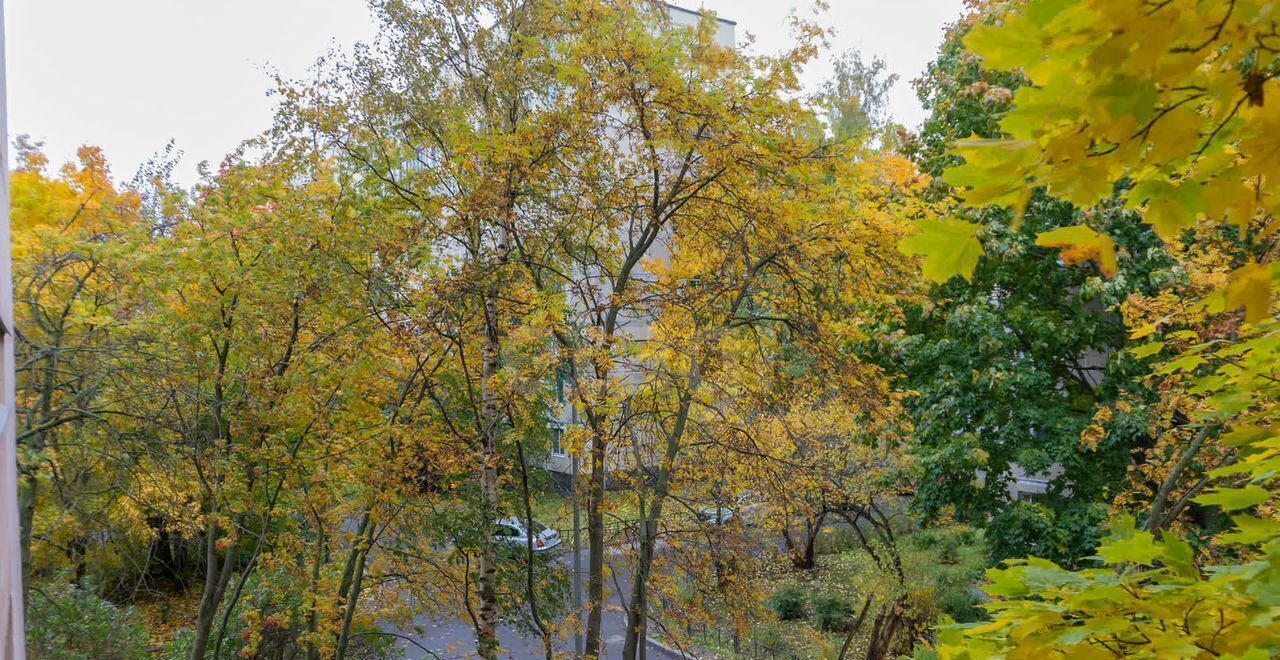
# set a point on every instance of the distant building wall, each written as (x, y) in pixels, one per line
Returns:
(634, 325)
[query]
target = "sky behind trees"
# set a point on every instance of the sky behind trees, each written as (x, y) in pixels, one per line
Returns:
(129, 75)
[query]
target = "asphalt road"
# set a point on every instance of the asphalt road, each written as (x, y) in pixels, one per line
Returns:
(454, 639)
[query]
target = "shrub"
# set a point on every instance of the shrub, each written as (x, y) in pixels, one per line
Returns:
(70, 622)
(268, 621)
(831, 614)
(788, 603)
(1063, 536)
(1024, 529)
(964, 535)
(948, 542)
(943, 565)
(961, 605)
(255, 596)
(923, 539)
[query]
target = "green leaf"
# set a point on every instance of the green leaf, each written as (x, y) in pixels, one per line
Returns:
(949, 247)
(1179, 556)
(1140, 548)
(1170, 209)
(1235, 499)
(1147, 350)
(1184, 363)
(1251, 530)
(993, 626)
(994, 171)
(1145, 331)
(1007, 582)
(1005, 46)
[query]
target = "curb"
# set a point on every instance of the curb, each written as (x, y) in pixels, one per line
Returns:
(671, 652)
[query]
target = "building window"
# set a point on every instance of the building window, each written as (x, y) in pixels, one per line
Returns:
(561, 383)
(557, 436)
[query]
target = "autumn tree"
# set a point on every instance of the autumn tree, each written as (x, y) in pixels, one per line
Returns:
(854, 101)
(459, 117)
(68, 231)
(255, 359)
(697, 219)
(211, 381)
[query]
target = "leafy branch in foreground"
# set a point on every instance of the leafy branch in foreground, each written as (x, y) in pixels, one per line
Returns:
(1173, 106)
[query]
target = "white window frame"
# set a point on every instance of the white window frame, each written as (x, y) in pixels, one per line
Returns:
(557, 439)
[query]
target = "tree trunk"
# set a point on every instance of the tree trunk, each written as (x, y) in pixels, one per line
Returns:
(803, 554)
(27, 493)
(352, 595)
(886, 627)
(491, 431)
(638, 614)
(530, 591)
(487, 632)
(35, 444)
(1157, 519)
(855, 628)
(215, 584)
(321, 558)
(595, 546)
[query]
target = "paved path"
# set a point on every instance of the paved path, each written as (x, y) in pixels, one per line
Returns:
(454, 639)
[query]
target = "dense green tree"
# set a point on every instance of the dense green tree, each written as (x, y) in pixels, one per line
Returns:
(1010, 367)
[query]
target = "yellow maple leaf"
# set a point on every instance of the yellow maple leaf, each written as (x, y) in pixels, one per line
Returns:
(1250, 287)
(1079, 243)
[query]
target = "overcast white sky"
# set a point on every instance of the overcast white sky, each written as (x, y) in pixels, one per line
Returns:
(129, 75)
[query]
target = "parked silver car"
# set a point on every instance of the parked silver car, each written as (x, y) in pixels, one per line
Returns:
(512, 532)
(746, 506)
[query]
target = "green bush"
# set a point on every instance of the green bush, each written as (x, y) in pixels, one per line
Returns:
(924, 539)
(944, 564)
(788, 603)
(70, 622)
(1031, 529)
(960, 604)
(831, 614)
(1024, 529)
(948, 542)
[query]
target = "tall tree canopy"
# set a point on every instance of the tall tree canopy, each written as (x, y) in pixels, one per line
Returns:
(1012, 363)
